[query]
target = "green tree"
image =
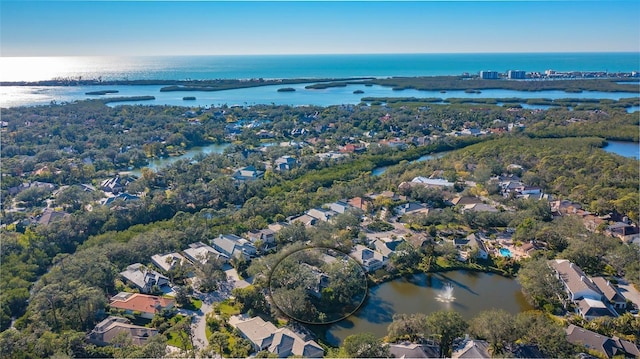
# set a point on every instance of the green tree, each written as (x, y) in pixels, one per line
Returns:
(497, 327)
(539, 283)
(537, 328)
(447, 326)
(242, 348)
(364, 345)
(411, 327)
(220, 341)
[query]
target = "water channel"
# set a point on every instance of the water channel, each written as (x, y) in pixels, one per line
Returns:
(626, 149)
(11, 96)
(473, 292)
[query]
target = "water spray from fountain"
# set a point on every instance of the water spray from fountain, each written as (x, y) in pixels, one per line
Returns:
(446, 295)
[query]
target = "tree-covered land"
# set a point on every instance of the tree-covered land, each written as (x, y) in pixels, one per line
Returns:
(58, 275)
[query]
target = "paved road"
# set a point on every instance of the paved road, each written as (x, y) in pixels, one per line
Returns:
(199, 317)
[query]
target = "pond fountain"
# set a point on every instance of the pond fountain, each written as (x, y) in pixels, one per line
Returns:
(446, 295)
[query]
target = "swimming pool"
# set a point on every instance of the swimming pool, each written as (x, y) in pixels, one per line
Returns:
(505, 252)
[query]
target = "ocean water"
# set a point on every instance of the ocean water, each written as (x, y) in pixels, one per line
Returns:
(304, 66)
(287, 66)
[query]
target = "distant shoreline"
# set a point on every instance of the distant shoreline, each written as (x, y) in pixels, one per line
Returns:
(426, 83)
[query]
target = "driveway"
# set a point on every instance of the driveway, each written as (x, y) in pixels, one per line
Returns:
(629, 291)
(199, 317)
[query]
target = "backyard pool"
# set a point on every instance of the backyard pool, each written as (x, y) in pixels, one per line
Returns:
(505, 252)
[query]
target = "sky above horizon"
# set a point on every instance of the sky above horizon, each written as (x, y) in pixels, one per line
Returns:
(133, 28)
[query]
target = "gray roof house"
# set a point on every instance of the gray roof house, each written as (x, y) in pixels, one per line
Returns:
(284, 163)
(49, 216)
(248, 173)
(610, 292)
(200, 252)
(167, 261)
(411, 208)
(280, 341)
(144, 278)
(610, 347)
(369, 259)
(411, 350)
(589, 300)
(472, 349)
(266, 235)
(113, 185)
(105, 331)
(231, 245)
(339, 206)
(321, 214)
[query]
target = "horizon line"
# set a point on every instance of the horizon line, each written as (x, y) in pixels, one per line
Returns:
(343, 53)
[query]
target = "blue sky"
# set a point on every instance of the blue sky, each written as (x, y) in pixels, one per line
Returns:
(87, 28)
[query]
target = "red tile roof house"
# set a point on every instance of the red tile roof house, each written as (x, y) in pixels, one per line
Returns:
(147, 305)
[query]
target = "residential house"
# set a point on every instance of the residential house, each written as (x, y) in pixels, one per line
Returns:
(582, 291)
(339, 206)
(408, 350)
(321, 280)
(465, 200)
(431, 182)
(248, 173)
(472, 241)
(256, 330)
(624, 231)
(146, 305)
(266, 236)
(286, 343)
(479, 207)
(607, 346)
(284, 163)
(369, 259)
(386, 246)
(110, 328)
(280, 341)
(50, 215)
(321, 214)
(351, 148)
(232, 246)
(276, 227)
(388, 194)
(113, 185)
(305, 219)
(411, 208)
(143, 278)
(471, 348)
(199, 253)
(360, 203)
(168, 261)
(35, 184)
(613, 295)
(126, 197)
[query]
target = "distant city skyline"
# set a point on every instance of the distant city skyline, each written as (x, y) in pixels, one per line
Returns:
(138, 28)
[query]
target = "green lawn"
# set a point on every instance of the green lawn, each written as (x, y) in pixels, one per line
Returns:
(226, 308)
(173, 339)
(195, 304)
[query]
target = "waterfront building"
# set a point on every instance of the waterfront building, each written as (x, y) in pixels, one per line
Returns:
(516, 74)
(489, 75)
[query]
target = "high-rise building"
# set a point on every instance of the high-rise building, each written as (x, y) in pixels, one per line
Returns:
(488, 75)
(516, 74)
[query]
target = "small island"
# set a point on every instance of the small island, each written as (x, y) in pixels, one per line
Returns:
(101, 92)
(286, 89)
(358, 92)
(189, 98)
